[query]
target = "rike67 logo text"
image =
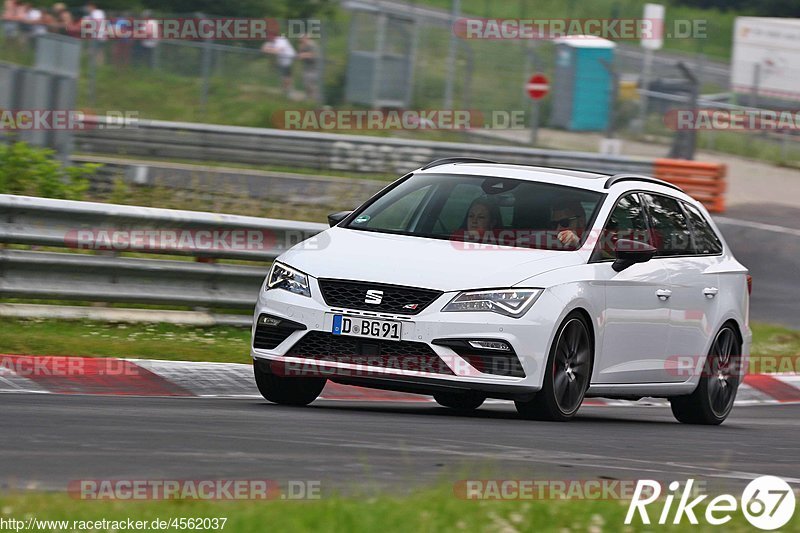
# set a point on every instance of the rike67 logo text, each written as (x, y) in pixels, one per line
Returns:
(767, 502)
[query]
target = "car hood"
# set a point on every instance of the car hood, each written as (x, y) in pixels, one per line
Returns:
(420, 262)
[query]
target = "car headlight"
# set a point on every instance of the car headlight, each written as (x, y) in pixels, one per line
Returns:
(287, 278)
(510, 302)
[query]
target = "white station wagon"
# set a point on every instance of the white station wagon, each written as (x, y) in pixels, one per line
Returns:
(468, 279)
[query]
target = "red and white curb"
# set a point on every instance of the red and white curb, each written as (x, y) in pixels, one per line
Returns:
(148, 377)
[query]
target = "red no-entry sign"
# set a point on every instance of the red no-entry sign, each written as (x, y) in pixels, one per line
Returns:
(538, 86)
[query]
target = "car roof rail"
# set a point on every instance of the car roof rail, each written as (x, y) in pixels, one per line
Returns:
(449, 160)
(617, 178)
(584, 170)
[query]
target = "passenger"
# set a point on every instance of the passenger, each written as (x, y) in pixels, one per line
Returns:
(483, 215)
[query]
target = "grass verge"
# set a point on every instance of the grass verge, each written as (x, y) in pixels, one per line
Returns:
(215, 343)
(143, 341)
(769, 339)
(421, 511)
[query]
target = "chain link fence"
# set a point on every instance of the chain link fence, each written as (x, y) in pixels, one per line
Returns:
(236, 83)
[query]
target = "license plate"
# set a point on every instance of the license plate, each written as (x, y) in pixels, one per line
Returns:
(371, 328)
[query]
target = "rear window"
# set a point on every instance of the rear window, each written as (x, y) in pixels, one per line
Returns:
(706, 241)
(670, 229)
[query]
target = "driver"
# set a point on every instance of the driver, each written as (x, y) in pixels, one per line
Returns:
(568, 218)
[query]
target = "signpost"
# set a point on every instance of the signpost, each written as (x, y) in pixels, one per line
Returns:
(654, 15)
(538, 87)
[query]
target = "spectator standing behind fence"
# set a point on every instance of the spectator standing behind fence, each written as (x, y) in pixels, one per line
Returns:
(36, 20)
(97, 45)
(144, 50)
(309, 57)
(10, 21)
(121, 48)
(62, 22)
(284, 54)
(23, 28)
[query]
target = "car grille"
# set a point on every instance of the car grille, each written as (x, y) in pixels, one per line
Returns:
(271, 331)
(399, 355)
(395, 299)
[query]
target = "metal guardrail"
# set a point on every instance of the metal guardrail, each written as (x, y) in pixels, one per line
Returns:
(204, 181)
(106, 234)
(325, 151)
(357, 153)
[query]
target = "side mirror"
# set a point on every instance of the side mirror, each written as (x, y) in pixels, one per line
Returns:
(631, 252)
(335, 218)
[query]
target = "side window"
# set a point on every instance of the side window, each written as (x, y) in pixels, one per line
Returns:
(627, 221)
(706, 241)
(671, 235)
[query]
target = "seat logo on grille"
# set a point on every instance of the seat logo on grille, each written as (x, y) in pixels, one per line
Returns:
(374, 297)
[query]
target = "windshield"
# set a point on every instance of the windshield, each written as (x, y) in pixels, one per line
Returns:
(485, 210)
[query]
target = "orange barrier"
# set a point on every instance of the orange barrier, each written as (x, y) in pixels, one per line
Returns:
(703, 181)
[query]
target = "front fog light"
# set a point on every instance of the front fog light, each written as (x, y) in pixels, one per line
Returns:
(500, 346)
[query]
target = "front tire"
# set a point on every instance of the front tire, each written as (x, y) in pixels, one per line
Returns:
(296, 391)
(567, 375)
(712, 400)
(460, 402)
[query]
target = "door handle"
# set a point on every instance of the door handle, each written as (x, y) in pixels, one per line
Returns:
(663, 294)
(710, 292)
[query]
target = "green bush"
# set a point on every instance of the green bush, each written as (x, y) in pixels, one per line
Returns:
(33, 171)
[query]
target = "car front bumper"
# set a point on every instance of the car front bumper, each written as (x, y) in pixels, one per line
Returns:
(530, 337)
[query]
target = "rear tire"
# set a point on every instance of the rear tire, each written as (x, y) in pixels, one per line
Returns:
(296, 391)
(567, 374)
(712, 400)
(460, 401)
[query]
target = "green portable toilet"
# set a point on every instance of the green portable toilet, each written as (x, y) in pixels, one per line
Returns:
(582, 85)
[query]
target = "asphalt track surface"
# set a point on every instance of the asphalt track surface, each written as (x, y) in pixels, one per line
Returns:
(766, 239)
(48, 440)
